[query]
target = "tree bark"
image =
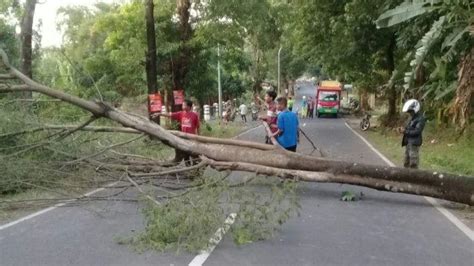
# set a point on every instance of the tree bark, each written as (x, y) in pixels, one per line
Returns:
(181, 65)
(151, 58)
(279, 162)
(151, 68)
(26, 36)
(392, 90)
(462, 106)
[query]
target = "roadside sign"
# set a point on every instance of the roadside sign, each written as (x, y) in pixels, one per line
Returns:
(178, 96)
(154, 103)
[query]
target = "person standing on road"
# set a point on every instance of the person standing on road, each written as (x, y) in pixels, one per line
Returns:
(271, 117)
(413, 134)
(287, 134)
(189, 122)
(243, 112)
(255, 110)
(304, 107)
(310, 107)
(291, 102)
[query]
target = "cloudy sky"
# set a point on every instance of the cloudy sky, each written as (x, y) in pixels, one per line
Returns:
(46, 11)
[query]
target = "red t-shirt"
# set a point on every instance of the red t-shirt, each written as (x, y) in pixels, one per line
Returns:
(189, 121)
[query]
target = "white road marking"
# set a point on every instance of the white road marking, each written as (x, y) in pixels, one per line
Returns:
(214, 241)
(453, 219)
(43, 211)
(219, 234)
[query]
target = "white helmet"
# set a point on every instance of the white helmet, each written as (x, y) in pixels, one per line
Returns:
(413, 105)
(304, 97)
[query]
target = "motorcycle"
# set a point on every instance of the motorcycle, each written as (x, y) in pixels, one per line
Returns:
(254, 115)
(365, 123)
(354, 104)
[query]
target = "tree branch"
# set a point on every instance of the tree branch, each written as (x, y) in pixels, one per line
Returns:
(141, 191)
(170, 172)
(104, 150)
(445, 186)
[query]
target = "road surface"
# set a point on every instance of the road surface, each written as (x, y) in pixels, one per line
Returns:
(381, 229)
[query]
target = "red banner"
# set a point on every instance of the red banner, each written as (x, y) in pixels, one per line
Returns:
(178, 96)
(155, 103)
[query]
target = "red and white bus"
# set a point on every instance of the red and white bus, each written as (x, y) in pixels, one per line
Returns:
(328, 97)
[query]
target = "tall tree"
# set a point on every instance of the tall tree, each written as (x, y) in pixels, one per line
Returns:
(26, 38)
(181, 65)
(151, 70)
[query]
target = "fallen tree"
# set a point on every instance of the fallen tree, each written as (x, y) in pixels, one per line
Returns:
(262, 159)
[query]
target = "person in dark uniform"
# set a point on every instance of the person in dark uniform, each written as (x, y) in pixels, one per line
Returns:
(413, 134)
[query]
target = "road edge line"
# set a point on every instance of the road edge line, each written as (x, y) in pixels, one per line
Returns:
(246, 132)
(43, 211)
(214, 241)
(453, 219)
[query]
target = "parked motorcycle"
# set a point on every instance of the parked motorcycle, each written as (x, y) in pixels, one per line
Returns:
(365, 123)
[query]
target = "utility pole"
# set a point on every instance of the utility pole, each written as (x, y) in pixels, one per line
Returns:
(279, 70)
(219, 86)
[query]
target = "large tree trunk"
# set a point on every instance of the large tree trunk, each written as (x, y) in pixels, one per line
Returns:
(26, 40)
(151, 64)
(392, 90)
(181, 65)
(151, 68)
(276, 162)
(462, 106)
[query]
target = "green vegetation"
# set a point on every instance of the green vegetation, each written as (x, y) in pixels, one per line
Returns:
(218, 130)
(440, 151)
(189, 221)
(394, 48)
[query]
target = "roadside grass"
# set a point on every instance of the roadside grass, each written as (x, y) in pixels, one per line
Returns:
(216, 130)
(440, 150)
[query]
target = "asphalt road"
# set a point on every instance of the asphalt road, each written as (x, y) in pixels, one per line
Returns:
(381, 229)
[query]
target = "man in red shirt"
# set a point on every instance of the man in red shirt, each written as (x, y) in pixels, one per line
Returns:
(189, 122)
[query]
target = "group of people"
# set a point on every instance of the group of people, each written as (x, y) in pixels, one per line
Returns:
(243, 110)
(229, 111)
(307, 107)
(283, 123)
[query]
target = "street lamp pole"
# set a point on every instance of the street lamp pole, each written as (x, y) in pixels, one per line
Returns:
(219, 86)
(279, 70)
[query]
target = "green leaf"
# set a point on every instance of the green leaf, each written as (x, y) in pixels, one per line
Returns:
(454, 37)
(405, 11)
(349, 196)
(424, 46)
(446, 91)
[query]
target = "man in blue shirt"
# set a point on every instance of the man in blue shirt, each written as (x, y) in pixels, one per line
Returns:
(287, 134)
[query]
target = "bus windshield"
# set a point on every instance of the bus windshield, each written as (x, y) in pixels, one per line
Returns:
(328, 96)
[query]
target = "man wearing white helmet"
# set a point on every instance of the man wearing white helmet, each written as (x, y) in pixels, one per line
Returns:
(413, 133)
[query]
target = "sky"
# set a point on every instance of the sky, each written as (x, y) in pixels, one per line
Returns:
(46, 11)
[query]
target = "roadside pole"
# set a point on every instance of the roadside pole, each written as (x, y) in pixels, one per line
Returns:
(279, 70)
(219, 86)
